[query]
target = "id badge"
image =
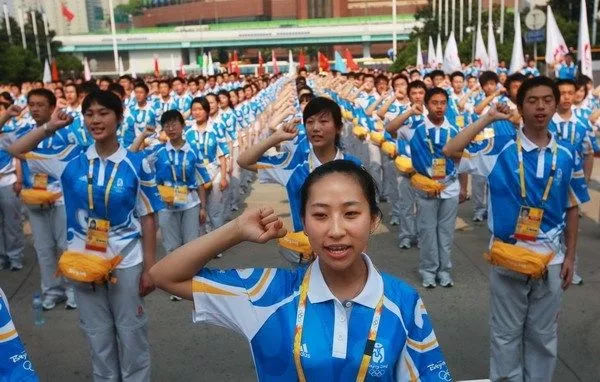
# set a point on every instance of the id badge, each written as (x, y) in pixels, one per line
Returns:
(528, 223)
(181, 195)
(40, 181)
(460, 121)
(438, 168)
(97, 235)
(206, 161)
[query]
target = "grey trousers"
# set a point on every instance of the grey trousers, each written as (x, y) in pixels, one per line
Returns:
(436, 222)
(478, 193)
(12, 240)
(373, 165)
(390, 185)
(178, 227)
(49, 229)
(234, 181)
(215, 203)
(407, 214)
(112, 317)
(523, 320)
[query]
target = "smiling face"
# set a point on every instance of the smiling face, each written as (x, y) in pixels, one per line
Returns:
(538, 107)
(338, 220)
(198, 113)
(321, 130)
(101, 122)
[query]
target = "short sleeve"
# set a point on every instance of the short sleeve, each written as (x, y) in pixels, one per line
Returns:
(272, 168)
(202, 174)
(578, 189)
(148, 199)
(52, 161)
(479, 158)
(421, 358)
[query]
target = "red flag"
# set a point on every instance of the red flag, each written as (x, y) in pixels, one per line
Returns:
(275, 67)
(350, 64)
(236, 68)
(66, 12)
(261, 69)
(156, 71)
(181, 69)
(323, 62)
(301, 60)
(54, 71)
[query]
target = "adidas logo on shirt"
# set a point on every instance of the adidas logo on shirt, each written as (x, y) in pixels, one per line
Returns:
(304, 351)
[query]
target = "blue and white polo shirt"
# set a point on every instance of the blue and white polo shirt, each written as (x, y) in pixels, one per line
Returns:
(138, 118)
(209, 145)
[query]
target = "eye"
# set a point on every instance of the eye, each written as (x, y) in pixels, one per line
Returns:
(352, 214)
(319, 215)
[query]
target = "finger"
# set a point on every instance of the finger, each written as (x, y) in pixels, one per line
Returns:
(268, 219)
(266, 211)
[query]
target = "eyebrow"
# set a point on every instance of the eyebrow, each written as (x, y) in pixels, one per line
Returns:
(345, 204)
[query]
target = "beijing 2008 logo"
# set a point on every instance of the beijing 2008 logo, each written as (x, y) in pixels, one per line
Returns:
(378, 368)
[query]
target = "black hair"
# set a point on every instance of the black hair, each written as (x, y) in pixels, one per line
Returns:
(164, 82)
(141, 84)
(436, 73)
(116, 88)
(416, 84)
(399, 77)
(171, 116)
(413, 72)
(89, 87)
(105, 98)
(126, 77)
(304, 87)
(368, 75)
(203, 102)
(178, 79)
(585, 79)
(347, 167)
(515, 77)
(433, 91)
(534, 82)
(380, 78)
(42, 92)
(8, 97)
(226, 94)
(581, 82)
(193, 80)
(458, 73)
(106, 79)
(73, 85)
(320, 105)
(488, 76)
(306, 97)
(565, 81)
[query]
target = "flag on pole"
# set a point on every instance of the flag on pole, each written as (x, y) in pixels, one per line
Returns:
(7, 22)
(133, 73)
(491, 48)
(66, 12)
(339, 63)
(173, 68)
(229, 63)
(584, 52)
(420, 54)
(555, 43)
(87, 74)
(274, 62)
(205, 65)
(291, 64)
(301, 60)
(121, 66)
(517, 61)
(211, 67)
(451, 60)
(181, 69)
(261, 62)
(430, 53)
(323, 61)
(156, 69)
(350, 64)
(480, 51)
(439, 55)
(54, 71)
(47, 77)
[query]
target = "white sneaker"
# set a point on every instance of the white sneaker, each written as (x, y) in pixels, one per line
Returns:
(71, 303)
(175, 298)
(478, 218)
(49, 302)
(394, 221)
(446, 281)
(405, 243)
(16, 266)
(577, 280)
(429, 284)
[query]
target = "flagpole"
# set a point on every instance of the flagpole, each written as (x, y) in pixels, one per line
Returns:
(394, 34)
(45, 21)
(113, 32)
(479, 14)
(502, 21)
(433, 10)
(22, 26)
(594, 13)
(439, 16)
(7, 21)
(470, 12)
(35, 33)
(446, 16)
(453, 15)
(461, 17)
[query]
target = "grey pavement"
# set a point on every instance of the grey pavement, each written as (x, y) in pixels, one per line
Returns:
(182, 351)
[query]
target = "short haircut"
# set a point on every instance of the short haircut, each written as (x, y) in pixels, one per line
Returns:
(565, 81)
(8, 97)
(126, 77)
(433, 91)
(43, 93)
(368, 75)
(458, 73)
(320, 105)
(74, 86)
(380, 78)
(416, 84)
(398, 77)
(515, 77)
(535, 82)
(413, 72)
(488, 76)
(203, 102)
(581, 82)
(106, 79)
(89, 87)
(436, 73)
(306, 97)
(171, 116)
(142, 85)
(177, 79)
(104, 98)
(116, 88)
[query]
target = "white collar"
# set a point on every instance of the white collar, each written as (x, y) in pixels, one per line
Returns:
(429, 125)
(185, 148)
(556, 118)
(528, 145)
(115, 157)
(318, 291)
(338, 155)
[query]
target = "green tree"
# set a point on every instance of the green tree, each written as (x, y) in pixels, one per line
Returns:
(18, 64)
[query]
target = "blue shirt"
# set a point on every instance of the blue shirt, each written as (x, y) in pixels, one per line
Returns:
(499, 163)
(564, 71)
(261, 304)
(209, 145)
(138, 119)
(160, 106)
(572, 132)
(183, 102)
(14, 361)
(528, 71)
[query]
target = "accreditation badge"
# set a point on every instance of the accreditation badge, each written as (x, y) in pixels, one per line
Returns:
(40, 181)
(438, 168)
(460, 121)
(97, 235)
(181, 195)
(528, 223)
(206, 161)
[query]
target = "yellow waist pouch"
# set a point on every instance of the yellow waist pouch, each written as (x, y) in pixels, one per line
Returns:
(518, 259)
(34, 197)
(427, 185)
(294, 246)
(376, 137)
(389, 148)
(86, 267)
(404, 165)
(166, 193)
(360, 132)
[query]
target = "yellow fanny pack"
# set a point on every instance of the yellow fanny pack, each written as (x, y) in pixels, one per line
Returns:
(35, 197)
(360, 132)
(376, 137)
(87, 267)
(404, 165)
(427, 185)
(294, 246)
(518, 259)
(389, 148)
(166, 193)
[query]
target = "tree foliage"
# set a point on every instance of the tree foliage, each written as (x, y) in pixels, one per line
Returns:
(18, 64)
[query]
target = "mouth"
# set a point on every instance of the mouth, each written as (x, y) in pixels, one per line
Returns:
(96, 130)
(337, 251)
(540, 118)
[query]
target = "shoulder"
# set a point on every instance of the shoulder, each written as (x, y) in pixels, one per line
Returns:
(400, 297)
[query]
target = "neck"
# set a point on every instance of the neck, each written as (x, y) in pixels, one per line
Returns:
(74, 105)
(177, 142)
(436, 121)
(538, 136)
(346, 284)
(325, 154)
(107, 147)
(142, 104)
(565, 113)
(200, 125)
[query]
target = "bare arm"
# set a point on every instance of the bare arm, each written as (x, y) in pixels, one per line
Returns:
(149, 228)
(372, 108)
(588, 167)
(249, 157)
(399, 121)
(571, 228)
(384, 108)
(30, 141)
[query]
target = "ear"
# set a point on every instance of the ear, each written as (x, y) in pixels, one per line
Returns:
(375, 221)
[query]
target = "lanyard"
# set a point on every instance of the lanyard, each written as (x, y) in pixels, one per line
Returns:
(183, 166)
(431, 144)
(368, 352)
(108, 186)
(522, 170)
(563, 127)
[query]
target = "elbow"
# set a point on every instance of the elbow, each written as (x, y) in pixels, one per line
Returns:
(155, 276)
(447, 152)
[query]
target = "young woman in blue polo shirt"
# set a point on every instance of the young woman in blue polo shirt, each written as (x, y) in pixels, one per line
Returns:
(110, 200)
(338, 319)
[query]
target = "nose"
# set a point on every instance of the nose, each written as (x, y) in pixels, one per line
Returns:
(336, 227)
